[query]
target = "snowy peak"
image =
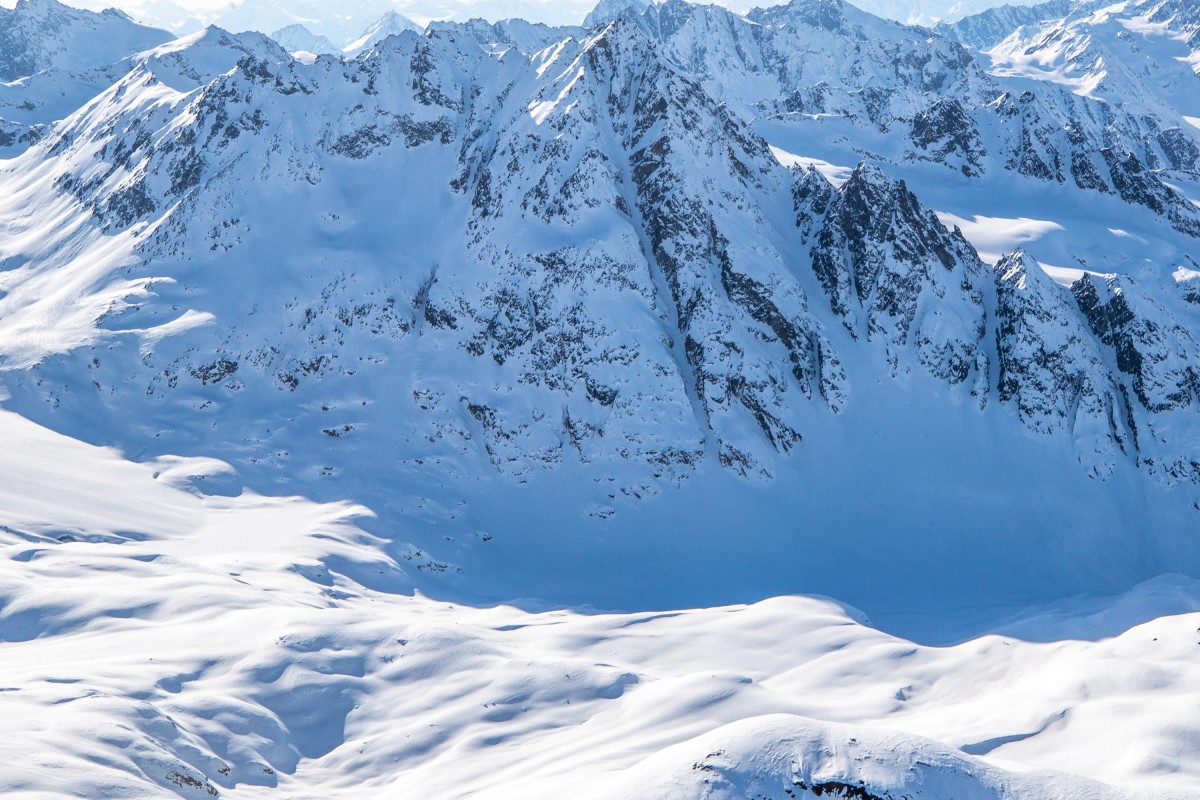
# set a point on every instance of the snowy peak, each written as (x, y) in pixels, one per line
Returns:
(828, 15)
(38, 35)
(390, 24)
(608, 10)
(299, 39)
(197, 60)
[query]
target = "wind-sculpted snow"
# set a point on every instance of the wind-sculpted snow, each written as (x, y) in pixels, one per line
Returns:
(162, 639)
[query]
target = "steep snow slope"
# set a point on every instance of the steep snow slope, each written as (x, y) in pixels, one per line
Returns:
(162, 640)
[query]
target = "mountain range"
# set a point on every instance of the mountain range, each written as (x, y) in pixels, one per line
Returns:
(265, 17)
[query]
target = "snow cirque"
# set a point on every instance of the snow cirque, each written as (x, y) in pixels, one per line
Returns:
(493, 410)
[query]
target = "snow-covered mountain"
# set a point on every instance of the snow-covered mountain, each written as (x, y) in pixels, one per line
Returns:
(725, 337)
(1145, 52)
(688, 308)
(299, 39)
(40, 35)
(390, 24)
(53, 59)
(928, 12)
(341, 23)
(986, 29)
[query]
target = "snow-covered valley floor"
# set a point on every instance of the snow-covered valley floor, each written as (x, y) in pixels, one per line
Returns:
(163, 642)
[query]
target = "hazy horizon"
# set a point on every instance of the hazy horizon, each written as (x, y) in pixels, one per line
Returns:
(342, 19)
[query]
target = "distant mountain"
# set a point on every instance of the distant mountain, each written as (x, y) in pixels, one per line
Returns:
(526, 37)
(297, 38)
(390, 24)
(54, 58)
(39, 35)
(987, 29)
(608, 10)
(1140, 54)
(927, 12)
(341, 23)
(162, 14)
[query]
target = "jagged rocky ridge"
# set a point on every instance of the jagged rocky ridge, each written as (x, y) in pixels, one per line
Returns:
(930, 94)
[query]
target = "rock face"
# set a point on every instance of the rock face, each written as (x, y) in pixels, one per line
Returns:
(896, 276)
(1052, 369)
(1156, 355)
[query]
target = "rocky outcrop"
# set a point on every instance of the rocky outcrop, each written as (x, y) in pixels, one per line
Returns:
(896, 276)
(1051, 369)
(1157, 365)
